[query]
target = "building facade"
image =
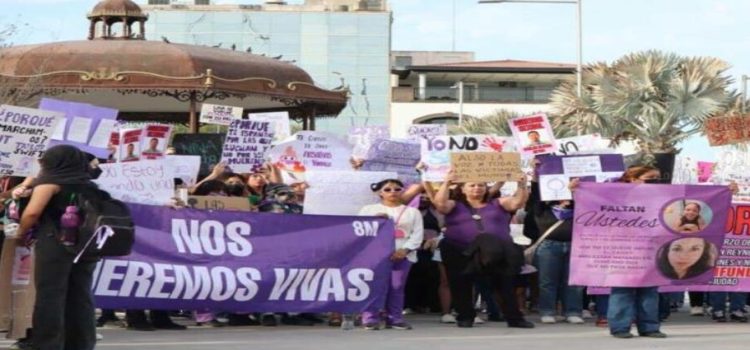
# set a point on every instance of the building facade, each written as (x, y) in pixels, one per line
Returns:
(340, 43)
(427, 93)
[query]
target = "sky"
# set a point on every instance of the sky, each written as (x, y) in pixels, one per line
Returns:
(542, 32)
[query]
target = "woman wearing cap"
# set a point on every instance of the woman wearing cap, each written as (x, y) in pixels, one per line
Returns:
(408, 234)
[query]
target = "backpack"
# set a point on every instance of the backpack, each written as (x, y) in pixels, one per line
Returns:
(106, 228)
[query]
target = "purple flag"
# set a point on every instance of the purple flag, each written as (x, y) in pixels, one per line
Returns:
(628, 235)
(232, 261)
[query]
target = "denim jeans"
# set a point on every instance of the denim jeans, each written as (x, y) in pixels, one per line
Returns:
(553, 262)
(736, 301)
(629, 304)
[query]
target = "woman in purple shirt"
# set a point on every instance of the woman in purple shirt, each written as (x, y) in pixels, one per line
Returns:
(474, 211)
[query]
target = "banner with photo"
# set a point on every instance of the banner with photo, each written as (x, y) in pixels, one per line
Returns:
(248, 262)
(641, 235)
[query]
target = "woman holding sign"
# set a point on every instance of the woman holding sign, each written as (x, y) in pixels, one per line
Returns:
(472, 216)
(408, 234)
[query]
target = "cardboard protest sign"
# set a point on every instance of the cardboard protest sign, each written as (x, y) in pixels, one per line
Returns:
(130, 145)
(555, 172)
(25, 135)
(341, 192)
(309, 150)
(625, 234)
(154, 141)
(727, 130)
(417, 132)
(219, 203)
(219, 115)
(533, 135)
(185, 168)
(145, 182)
(362, 138)
(436, 151)
(207, 146)
(246, 144)
(84, 125)
(486, 166)
(280, 120)
(394, 156)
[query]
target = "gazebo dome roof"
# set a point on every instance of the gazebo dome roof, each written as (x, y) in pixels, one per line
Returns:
(117, 8)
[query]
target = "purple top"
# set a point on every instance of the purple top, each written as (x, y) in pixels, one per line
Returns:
(461, 228)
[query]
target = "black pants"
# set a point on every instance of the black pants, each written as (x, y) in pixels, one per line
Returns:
(64, 310)
(462, 287)
(696, 299)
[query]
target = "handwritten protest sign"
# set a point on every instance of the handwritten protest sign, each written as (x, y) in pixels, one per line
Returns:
(84, 125)
(144, 182)
(555, 172)
(246, 144)
(727, 130)
(625, 233)
(394, 156)
(436, 151)
(219, 115)
(341, 192)
(417, 132)
(207, 146)
(25, 135)
(154, 140)
(362, 138)
(280, 121)
(734, 165)
(309, 150)
(584, 144)
(219, 203)
(486, 166)
(185, 168)
(533, 135)
(685, 171)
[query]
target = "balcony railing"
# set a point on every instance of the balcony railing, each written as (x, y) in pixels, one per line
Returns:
(482, 94)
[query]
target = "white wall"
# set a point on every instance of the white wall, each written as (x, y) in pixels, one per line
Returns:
(404, 113)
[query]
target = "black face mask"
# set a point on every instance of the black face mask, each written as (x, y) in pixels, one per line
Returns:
(235, 189)
(95, 172)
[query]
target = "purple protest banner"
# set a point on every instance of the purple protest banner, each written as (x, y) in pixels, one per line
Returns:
(82, 123)
(628, 235)
(555, 172)
(397, 156)
(241, 262)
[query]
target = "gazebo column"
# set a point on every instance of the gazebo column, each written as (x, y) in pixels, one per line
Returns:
(92, 29)
(142, 34)
(312, 122)
(125, 28)
(193, 114)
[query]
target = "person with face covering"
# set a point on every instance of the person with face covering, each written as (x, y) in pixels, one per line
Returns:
(64, 309)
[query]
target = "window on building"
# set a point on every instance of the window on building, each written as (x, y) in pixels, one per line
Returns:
(403, 61)
(449, 119)
(203, 2)
(158, 2)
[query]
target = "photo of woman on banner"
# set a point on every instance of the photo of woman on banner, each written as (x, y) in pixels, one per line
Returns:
(688, 216)
(685, 258)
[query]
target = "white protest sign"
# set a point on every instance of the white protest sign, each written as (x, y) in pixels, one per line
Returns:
(685, 171)
(24, 135)
(362, 138)
(341, 192)
(584, 144)
(280, 121)
(417, 132)
(219, 115)
(103, 134)
(734, 165)
(154, 141)
(555, 172)
(436, 151)
(533, 134)
(246, 144)
(578, 166)
(143, 182)
(185, 167)
(309, 150)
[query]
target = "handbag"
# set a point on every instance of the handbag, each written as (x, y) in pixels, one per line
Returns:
(530, 252)
(399, 233)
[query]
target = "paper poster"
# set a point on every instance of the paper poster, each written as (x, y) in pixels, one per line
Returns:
(705, 170)
(486, 166)
(155, 140)
(82, 121)
(643, 235)
(727, 130)
(219, 115)
(555, 172)
(102, 137)
(59, 132)
(685, 171)
(246, 144)
(584, 144)
(25, 135)
(394, 156)
(310, 150)
(417, 132)
(734, 165)
(280, 120)
(130, 145)
(145, 182)
(186, 168)
(341, 192)
(533, 135)
(362, 138)
(436, 151)
(79, 129)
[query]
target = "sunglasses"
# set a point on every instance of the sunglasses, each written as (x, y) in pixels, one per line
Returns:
(392, 189)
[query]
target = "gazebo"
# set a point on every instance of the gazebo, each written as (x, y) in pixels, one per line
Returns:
(158, 80)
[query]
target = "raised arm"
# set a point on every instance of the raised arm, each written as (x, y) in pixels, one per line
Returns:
(411, 192)
(518, 199)
(40, 197)
(215, 173)
(442, 201)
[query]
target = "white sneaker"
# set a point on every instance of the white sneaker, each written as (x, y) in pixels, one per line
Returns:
(574, 320)
(586, 314)
(407, 311)
(99, 336)
(447, 318)
(696, 311)
(548, 319)
(478, 320)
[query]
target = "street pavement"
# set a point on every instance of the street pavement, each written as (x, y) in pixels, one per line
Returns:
(685, 332)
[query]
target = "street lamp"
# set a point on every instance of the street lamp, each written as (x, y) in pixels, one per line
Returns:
(460, 86)
(578, 28)
(745, 78)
